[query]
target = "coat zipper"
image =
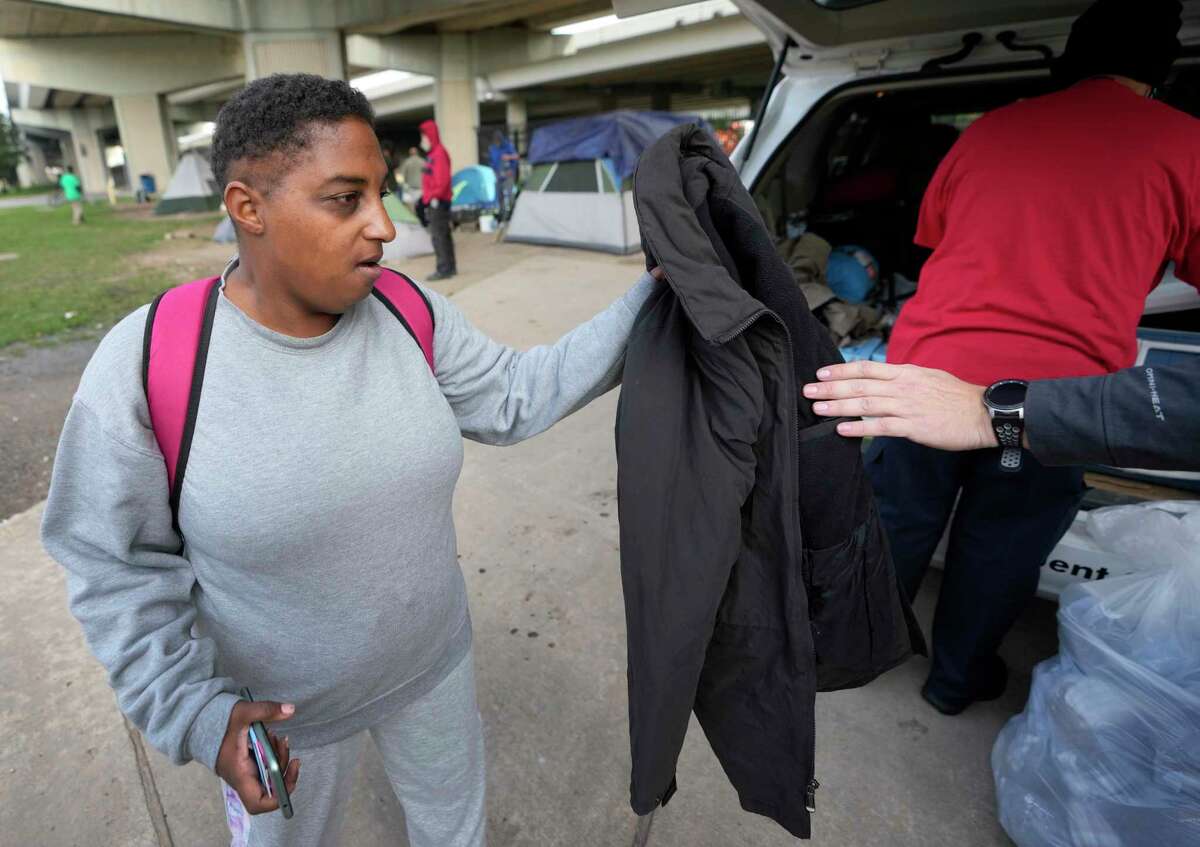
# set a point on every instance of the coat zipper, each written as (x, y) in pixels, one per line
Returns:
(810, 793)
(734, 333)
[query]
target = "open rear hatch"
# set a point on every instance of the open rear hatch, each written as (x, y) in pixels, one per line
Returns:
(880, 47)
(818, 26)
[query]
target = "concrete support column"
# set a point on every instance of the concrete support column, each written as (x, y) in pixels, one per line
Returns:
(32, 171)
(25, 175)
(516, 116)
(147, 136)
(67, 148)
(88, 153)
(456, 106)
(321, 52)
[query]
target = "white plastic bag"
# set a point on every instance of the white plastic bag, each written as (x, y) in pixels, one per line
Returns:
(1107, 751)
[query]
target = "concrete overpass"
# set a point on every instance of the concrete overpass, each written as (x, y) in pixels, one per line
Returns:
(94, 71)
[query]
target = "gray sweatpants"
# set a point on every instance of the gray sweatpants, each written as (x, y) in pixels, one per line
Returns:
(433, 753)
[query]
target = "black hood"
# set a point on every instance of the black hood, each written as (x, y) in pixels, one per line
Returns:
(701, 278)
(1138, 39)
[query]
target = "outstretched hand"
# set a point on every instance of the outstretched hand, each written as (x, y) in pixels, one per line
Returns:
(235, 763)
(924, 405)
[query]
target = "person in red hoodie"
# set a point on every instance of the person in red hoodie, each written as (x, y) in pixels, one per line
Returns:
(436, 195)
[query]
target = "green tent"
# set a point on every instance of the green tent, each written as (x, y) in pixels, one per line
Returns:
(411, 238)
(397, 211)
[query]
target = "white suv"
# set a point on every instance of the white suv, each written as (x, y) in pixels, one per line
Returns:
(863, 81)
(853, 63)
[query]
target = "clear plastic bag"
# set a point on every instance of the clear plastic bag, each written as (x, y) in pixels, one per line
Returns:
(1107, 751)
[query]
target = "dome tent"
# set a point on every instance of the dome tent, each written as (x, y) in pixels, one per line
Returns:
(474, 189)
(580, 191)
(411, 238)
(193, 187)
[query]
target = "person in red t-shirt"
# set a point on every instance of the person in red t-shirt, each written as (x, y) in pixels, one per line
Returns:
(1050, 221)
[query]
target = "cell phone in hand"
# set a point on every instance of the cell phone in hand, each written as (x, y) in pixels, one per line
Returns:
(269, 772)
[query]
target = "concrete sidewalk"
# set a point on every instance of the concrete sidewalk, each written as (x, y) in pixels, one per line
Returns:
(25, 200)
(538, 536)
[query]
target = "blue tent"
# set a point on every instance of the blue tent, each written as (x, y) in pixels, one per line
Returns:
(619, 137)
(474, 187)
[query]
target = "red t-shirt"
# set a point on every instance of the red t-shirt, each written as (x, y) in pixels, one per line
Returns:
(1051, 220)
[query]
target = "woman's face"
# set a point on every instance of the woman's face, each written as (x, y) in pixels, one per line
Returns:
(324, 224)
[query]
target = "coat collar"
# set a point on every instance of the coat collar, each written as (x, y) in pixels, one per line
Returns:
(674, 178)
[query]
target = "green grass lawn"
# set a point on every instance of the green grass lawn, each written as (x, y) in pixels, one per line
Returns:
(66, 278)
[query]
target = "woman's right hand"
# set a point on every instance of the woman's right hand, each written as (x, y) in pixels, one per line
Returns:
(235, 763)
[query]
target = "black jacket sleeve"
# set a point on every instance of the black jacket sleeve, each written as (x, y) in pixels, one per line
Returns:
(1141, 417)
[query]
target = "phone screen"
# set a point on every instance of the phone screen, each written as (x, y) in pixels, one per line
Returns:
(260, 759)
(269, 772)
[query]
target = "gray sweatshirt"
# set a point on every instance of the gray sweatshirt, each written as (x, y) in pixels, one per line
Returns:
(319, 565)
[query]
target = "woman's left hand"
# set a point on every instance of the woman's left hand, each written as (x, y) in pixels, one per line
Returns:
(657, 273)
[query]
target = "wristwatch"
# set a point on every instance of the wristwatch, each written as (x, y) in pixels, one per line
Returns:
(1005, 402)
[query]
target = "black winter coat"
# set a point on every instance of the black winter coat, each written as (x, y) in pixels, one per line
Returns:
(754, 566)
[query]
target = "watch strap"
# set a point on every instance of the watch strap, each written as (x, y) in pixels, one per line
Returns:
(1008, 424)
(1007, 432)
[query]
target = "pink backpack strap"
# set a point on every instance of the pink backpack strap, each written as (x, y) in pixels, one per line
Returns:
(174, 352)
(404, 299)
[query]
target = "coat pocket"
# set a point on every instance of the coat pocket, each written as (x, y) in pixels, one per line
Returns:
(861, 625)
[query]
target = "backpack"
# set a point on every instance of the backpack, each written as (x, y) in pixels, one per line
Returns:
(175, 350)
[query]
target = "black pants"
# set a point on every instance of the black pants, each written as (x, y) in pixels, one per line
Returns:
(443, 242)
(1004, 528)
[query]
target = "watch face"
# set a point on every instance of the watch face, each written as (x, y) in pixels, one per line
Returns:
(1008, 394)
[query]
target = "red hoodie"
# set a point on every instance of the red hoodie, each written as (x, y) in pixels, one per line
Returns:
(435, 183)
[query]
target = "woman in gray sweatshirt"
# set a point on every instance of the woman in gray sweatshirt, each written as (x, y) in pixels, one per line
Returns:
(315, 558)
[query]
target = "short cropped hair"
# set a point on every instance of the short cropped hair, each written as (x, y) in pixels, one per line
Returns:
(276, 114)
